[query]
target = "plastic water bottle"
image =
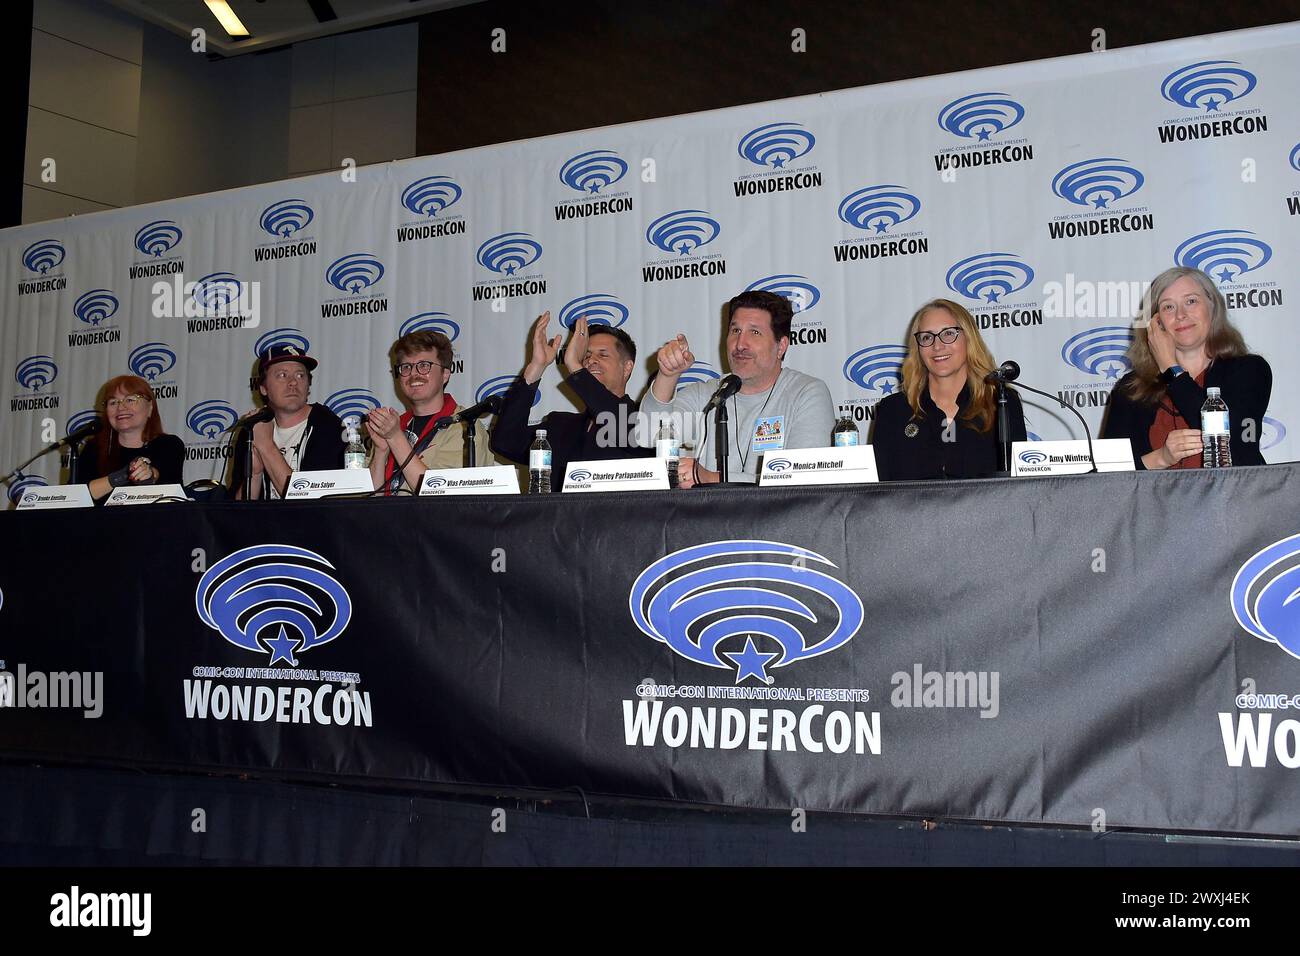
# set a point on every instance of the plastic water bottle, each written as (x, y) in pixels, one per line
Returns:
(845, 434)
(1216, 451)
(666, 447)
(354, 455)
(539, 465)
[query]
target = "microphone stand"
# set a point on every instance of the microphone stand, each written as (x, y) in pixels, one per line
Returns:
(720, 442)
(1004, 430)
(18, 472)
(1092, 459)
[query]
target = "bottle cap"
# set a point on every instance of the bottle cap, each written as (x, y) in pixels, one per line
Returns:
(541, 433)
(1212, 390)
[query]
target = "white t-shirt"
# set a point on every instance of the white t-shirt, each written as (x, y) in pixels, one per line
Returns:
(291, 445)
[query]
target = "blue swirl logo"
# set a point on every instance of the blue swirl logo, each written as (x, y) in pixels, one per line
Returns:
(499, 385)
(581, 475)
(1262, 593)
(300, 484)
(1032, 437)
(1032, 457)
(1097, 182)
(776, 144)
(592, 171)
(217, 292)
(43, 255)
(981, 115)
(699, 372)
(354, 273)
(509, 252)
(1294, 158)
(352, 401)
(778, 464)
(1100, 351)
(1208, 84)
(989, 276)
(158, 237)
(1226, 254)
(85, 417)
(1273, 433)
(431, 195)
(877, 208)
(431, 322)
(600, 308)
(274, 599)
(436, 481)
(95, 306)
(744, 606)
(281, 337)
(210, 418)
(26, 483)
(683, 231)
(151, 360)
(284, 218)
(803, 295)
(878, 368)
(35, 372)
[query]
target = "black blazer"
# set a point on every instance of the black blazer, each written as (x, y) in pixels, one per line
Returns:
(1244, 383)
(324, 450)
(567, 432)
(919, 452)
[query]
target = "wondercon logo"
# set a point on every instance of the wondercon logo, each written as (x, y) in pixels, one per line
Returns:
(209, 419)
(1097, 182)
(35, 372)
(803, 295)
(352, 401)
(1226, 254)
(499, 385)
(431, 195)
(95, 306)
(158, 237)
(601, 308)
(1294, 158)
(981, 115)
(274, 599)
(151, 360)
(699, 372)
(509, 252)
(683, 231)
(744, 606)
(778, 464)
(878, 368)
(593, 171)
(354, 273)
(20, 488)
(878, 207)
(430, 322)
(437, 481)
(1032, 457)
(1273, 433)
(1263, 591)
(215, 292)
(284, 218)
(989, 276)
(290, 337)
(1100, 351)
(43, 255)
(1208, 84)
(776, 144)
(301, 484)
(89, 415)
(581, 475)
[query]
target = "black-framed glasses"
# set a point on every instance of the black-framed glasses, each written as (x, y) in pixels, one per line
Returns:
(403, 369)
(946, 336)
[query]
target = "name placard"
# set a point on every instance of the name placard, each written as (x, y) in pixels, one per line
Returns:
(49, 497)
(145, 494)
(1032, 458)
(334, 481)
(845, 465)
(488, 480)
(618, 474)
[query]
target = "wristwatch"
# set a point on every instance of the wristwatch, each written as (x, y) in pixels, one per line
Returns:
(1171, 373)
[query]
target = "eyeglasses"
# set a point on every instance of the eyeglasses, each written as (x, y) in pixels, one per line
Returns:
(404, 369)
(130, 401)
(946, 336)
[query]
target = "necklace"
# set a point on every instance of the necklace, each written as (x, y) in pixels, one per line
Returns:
(735, 421)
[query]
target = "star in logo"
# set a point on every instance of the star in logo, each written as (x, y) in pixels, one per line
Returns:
(992, 295)
(1113, 369)
(282, 649)
(887, 388)
(1211, 105)
(778, 162)
(1226, 275)
(881, 225)
(595, 187)
(1100, 202)
(510, 270)
(984, 132)
(751, 662)
(684, 248)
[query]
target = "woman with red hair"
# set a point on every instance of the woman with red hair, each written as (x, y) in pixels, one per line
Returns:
(133, 450)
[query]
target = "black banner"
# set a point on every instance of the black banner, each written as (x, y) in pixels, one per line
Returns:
(1105, 651)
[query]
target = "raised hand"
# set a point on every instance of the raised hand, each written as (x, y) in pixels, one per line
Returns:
(543, 350)
(1161, 342)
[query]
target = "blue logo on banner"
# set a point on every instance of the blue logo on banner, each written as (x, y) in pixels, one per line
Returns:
(281, 337)
(95, 306)
(151, 360)
(509, 252)
(1208, 84)
(696, 599)
(989, 276)
(699, 372)
(431, 195)
(498, 385)
(1100, 351)
(1226, 254)
(600, 308)
(1294, 158)
(581, 475)
(284, 218)
(776, 144)
(274, 599)
(43, 255)
(437, 481)
(981, 115)
(593, 171)
(210, 418)
(352, 401)
(778, 464)
(1263, 592)
(89, 415)
(803, 295)
(36, 372)
(683, 231)
(354, 273)
(1273, 433)
(158, 237)
(216, 291)
(431, 322)
(877, 369)
(878, 207)
(1097, 182)
(299, 484)
(1032, 457)
(25, 484)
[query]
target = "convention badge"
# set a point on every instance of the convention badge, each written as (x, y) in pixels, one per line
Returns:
(769, 433)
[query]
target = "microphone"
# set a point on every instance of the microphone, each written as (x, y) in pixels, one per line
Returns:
(263, 414)
(1006, 372)
(730, 386)
(489, 406)
(81, 434)
(1010, 371)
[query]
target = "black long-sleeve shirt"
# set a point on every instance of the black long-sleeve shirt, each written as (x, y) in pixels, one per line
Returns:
(912, 448)
(165, 452)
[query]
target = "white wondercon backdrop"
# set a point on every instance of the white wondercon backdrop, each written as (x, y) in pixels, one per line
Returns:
(871, 154)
